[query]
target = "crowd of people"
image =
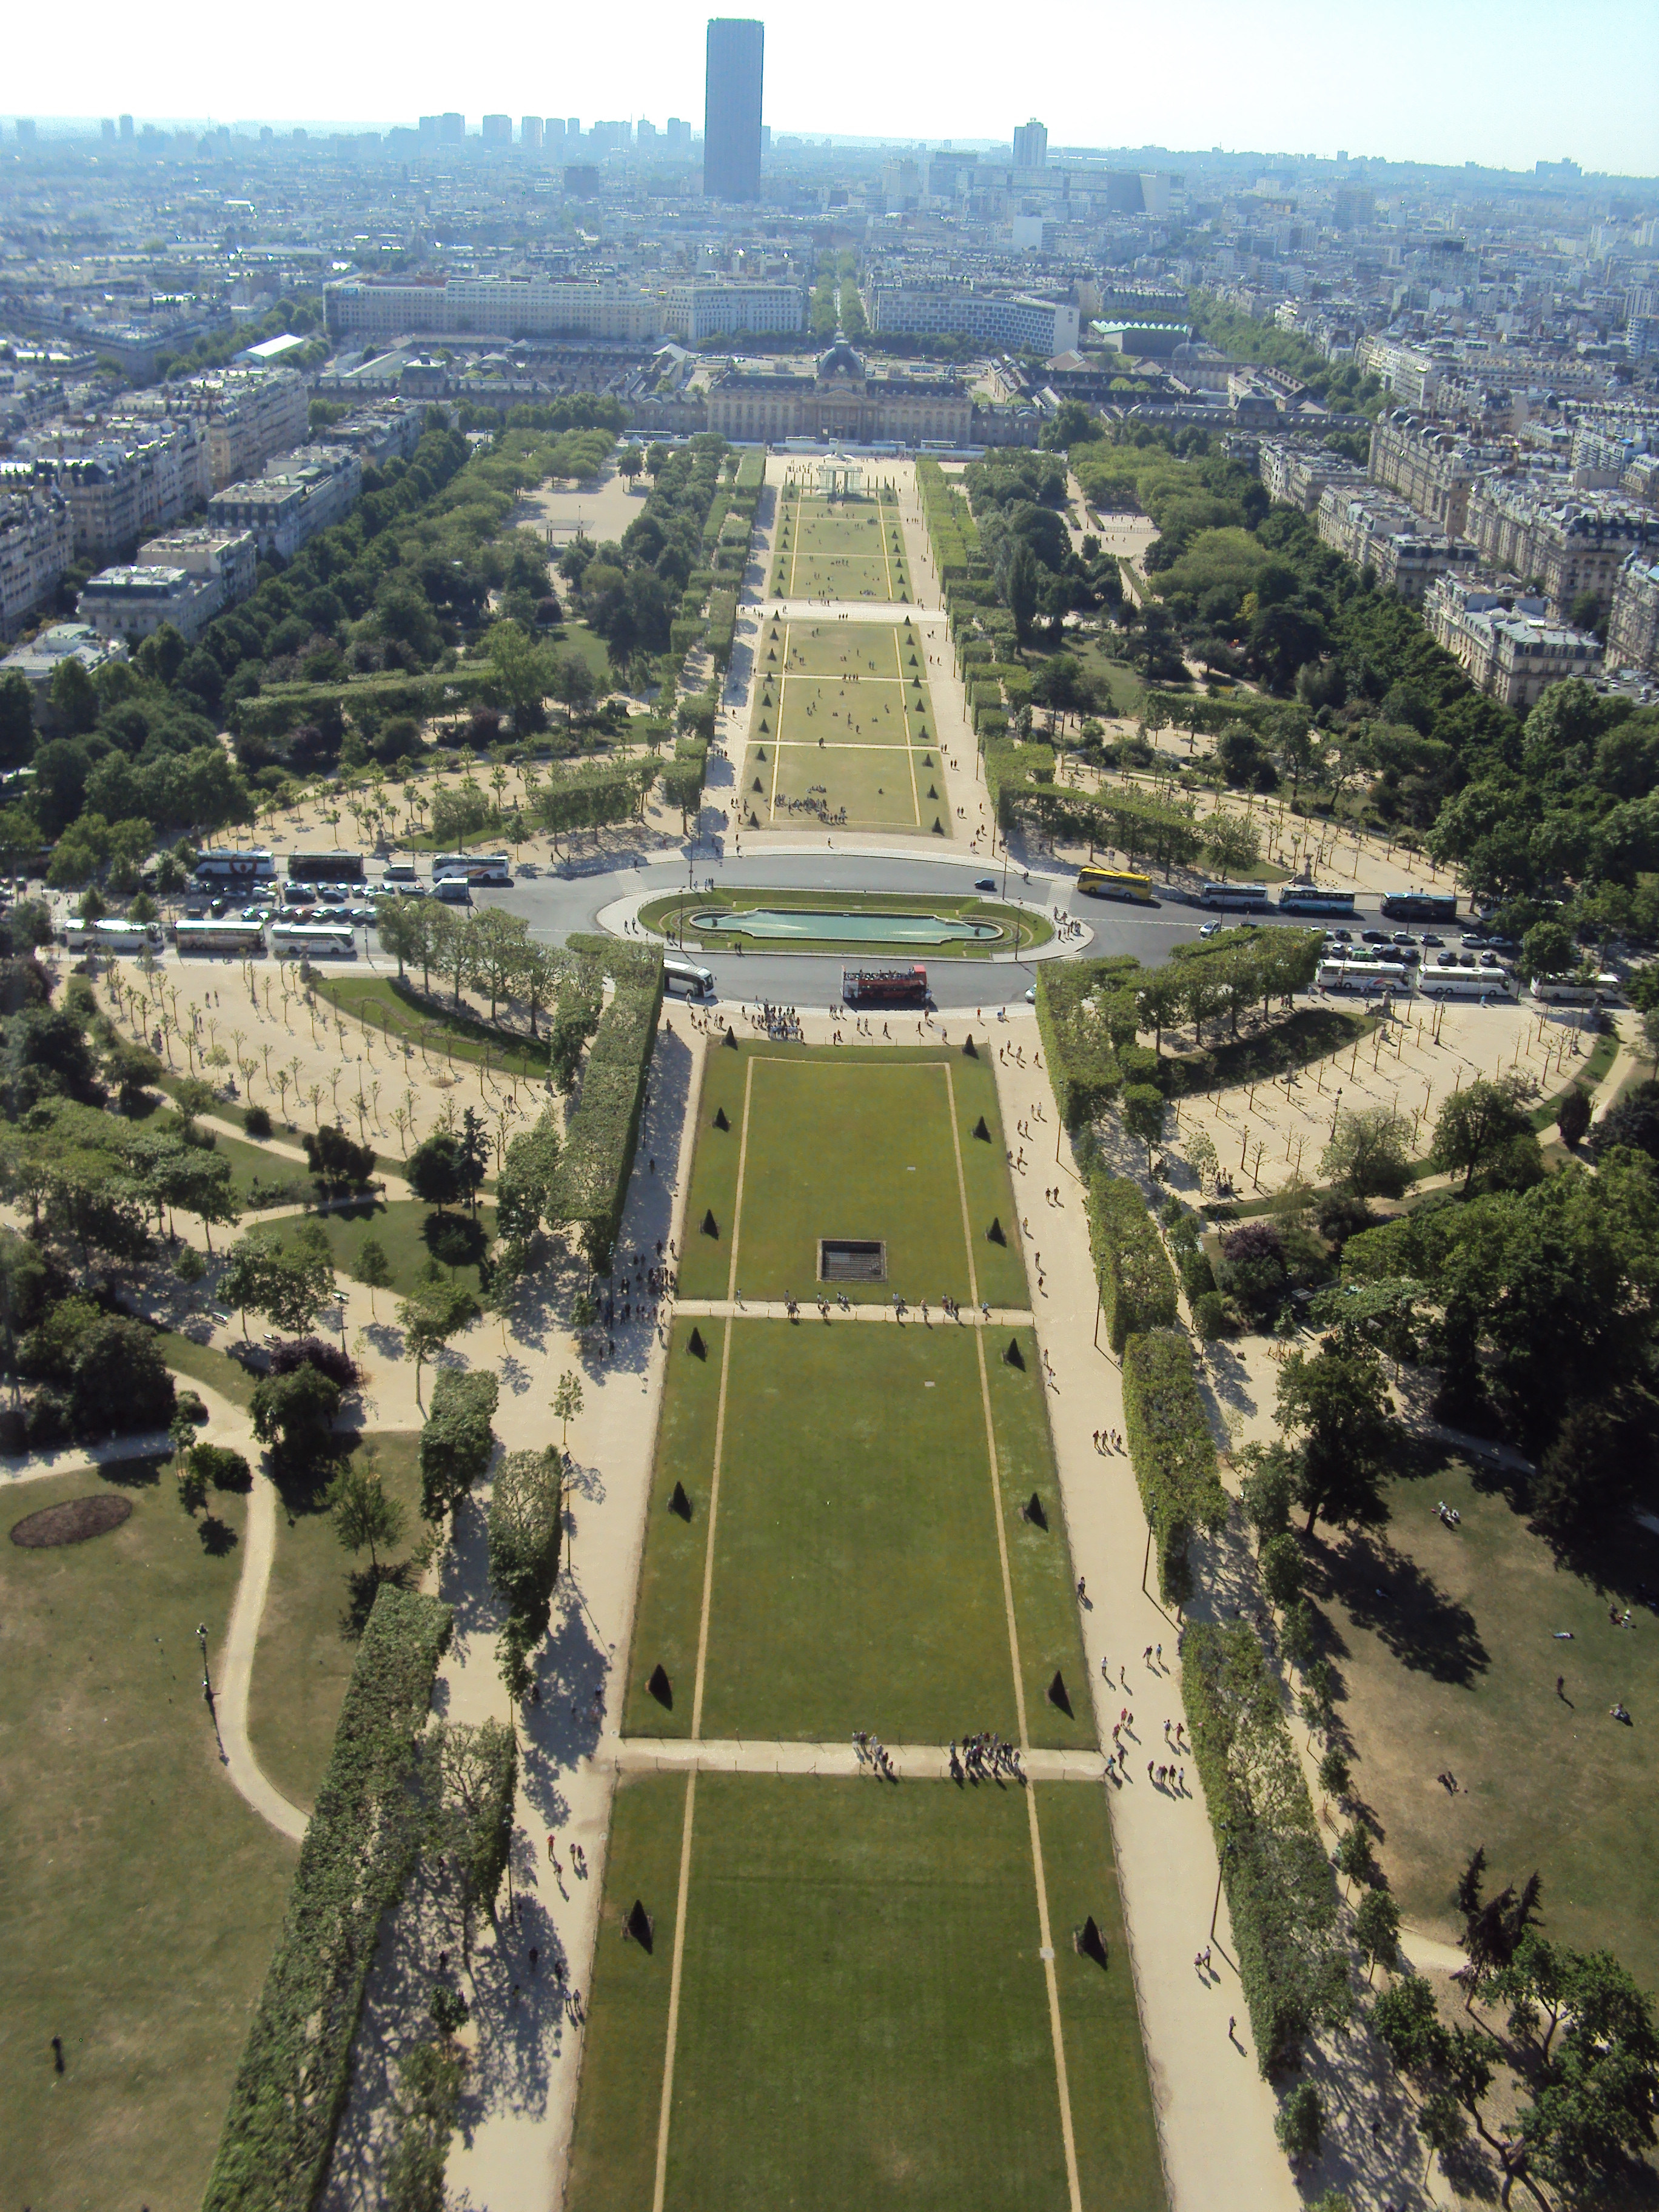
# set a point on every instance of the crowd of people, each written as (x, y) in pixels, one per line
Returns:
(986, 1757)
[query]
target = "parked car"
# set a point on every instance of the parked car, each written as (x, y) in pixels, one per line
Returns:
(329, 896)
(1373, 936)
(1403, 937)
(1429, 937)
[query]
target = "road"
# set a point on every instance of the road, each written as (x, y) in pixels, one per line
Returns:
(554, 905)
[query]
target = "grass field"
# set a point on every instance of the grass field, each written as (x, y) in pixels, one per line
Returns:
(846, 1143)
(863, 2017)
(433, 1029)
(894, 1932)
(141, 1896)
(1022, 931)
(845, 549)
(1445, 1642)
(843, 729)
(307, 1635)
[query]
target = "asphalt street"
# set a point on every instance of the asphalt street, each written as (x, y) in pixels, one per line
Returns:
(555, 904)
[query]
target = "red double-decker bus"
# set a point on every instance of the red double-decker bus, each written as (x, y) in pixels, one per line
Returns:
(885, 986)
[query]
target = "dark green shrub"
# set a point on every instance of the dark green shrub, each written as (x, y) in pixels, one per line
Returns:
(1137, 1286)
(1171, 1450)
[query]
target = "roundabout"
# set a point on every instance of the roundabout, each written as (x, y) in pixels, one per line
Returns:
(776, 918)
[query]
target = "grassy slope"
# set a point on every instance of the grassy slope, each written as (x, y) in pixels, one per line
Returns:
(141, 1896)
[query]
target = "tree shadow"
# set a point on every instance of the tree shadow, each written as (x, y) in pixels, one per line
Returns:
(363, 1586)
(456, 1240)
(218, 1537)
(1387, 1592)
(142, 1471)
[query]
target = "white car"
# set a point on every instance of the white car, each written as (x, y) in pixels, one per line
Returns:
(1211, 928)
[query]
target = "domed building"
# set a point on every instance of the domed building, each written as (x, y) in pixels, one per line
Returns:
(839, 400)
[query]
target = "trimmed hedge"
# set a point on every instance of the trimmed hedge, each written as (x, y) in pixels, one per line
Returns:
(1078, 1022)
(1137, 1283)
(722, 625)
(1279, 1888)
(601, 1133)
(1171, 1449)
(354, 1862)
(282, 707)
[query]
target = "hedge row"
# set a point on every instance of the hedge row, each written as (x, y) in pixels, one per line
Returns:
(1171, 1448)
(722, 624)
(601, 1133)
(274, 712)
(1079, 1020)
(354, 1862)
(1137, 1283)
(1279, 1888)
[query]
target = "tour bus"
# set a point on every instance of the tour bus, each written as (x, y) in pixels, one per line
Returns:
(297, 941)
(1113, 884)
(1574, 991)
(221, 870)
(1242, 898)
(113, 936)
(885, 986)
(1475, 983)
(1421, 906)
(325, 868)
(1313, 898)
(474, 868)
(244, 939)
(679, 975)
(1367, 976)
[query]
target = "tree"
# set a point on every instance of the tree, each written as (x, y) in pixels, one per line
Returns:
(1377, 1929)
(567, 1404)
(17, 721)
(1547, 949)
(472, 1819)
(74, 700)
(473, 1147)
(435, 1171)
(372, 1269)
(1142, 1108)
(1024, 580)
(120, 1381)
(1232, 843)
(1572, 1117)
(1338, 1402)
(630, 462)
(1476, 1125)
(524, 1189)
(336, 1162)
(403, 926)
(1300, 2124)
(1369, 1153)
(295, 1411)
(572, 683)
(1632, 1119)
(440, 1310)
(524, 1526)
(362, 1513)
(522, 669)
(457, 1442)
(1280, 1563)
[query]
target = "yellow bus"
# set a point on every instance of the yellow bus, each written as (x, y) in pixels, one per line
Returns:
(1114, 883)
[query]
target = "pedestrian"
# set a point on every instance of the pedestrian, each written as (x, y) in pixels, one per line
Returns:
(1160, 1655)
(550, 1846)
(1149, 1770)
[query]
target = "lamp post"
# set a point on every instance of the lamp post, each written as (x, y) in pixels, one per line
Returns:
(1215, 1909)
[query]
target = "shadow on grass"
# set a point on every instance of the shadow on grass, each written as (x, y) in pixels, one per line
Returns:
(139, 1474)
(458, 1240)
(218, 1537)
(1387, 1592)
(363, 1586)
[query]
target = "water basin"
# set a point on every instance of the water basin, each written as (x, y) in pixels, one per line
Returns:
(776, 924)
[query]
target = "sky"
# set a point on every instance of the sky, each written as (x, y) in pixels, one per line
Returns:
(1500, 82)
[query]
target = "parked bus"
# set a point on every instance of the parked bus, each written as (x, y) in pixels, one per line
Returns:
(1115, 883)
(298, 940)
(325, 868)
(1421, 906)
(244, 939)
(1572, 991)
(473, 867)
(219, 870)
(1239, 898)
(1368, 975)
(885, 986)
(1313, 898)
(113, 936)
(1475, 983)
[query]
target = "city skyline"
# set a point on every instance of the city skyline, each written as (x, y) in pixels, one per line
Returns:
(1300, 79)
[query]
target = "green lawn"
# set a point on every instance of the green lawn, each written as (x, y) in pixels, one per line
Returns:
(141, 1896)
(404, 1229)
(893, 1934)
(853, 550)
(204, 1362)
(842, 1143)
(1452, 1668)
(844, 729)
(442, 1031)
(1021, 929)
(307, 1637)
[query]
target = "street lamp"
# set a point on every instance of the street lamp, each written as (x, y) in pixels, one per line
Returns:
(1215, 1909)
(1336, 1110)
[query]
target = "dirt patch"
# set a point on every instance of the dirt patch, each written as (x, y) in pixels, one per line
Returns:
(71, 1522)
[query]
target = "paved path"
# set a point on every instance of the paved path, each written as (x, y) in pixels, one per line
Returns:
(911, 1762)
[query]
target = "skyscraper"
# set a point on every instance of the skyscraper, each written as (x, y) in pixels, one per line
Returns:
(732, 108)
(1030, 145)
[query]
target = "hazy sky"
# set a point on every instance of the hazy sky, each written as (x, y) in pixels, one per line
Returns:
(1499, 81)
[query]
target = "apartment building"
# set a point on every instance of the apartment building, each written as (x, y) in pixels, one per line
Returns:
(1001, 322)
(244, 414)
(493, 306)
(1509, 647)
(134, 601)
(1412, 375)
(1564, 546)
(233, 558)
(1297, 472)
(142, 477)
(302, 493)
(693, 313)
(37, 543)
(1429, 466)
(1384, 536)
(389, 430)
(1633, 623)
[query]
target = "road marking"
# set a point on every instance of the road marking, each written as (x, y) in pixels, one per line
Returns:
(1068, 2135)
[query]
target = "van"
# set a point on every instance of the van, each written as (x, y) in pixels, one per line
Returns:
(684, 975)
(453, 890)
(399, 872)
